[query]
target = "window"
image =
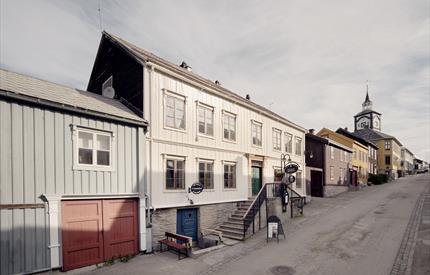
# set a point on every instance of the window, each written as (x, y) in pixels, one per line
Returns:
(341, 174)
(206, 174)
(299, 180)
(331, 172)
(205, 117)
(229, 175)
(387, 145)
(94, 149)
(174, 116)
(229, 122)
(387, 160)
(345, 156)
(175, 174)
(256, 129)
(298, 146)
(341, 155)
(278, 174)
(331, 152)
(276, 138)
(288, 143)
(355, 154)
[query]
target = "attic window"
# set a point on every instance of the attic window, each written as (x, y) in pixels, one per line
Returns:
(108, 83)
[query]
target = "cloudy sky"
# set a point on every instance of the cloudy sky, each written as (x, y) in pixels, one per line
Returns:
(307, 60)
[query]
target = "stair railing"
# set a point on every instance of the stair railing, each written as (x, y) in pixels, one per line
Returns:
(254, 208)
(296, 198)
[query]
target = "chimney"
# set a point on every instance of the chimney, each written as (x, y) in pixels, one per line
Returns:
(217, 82)
(346, 128)
(185, 66)
(248, 97)
(312, 131)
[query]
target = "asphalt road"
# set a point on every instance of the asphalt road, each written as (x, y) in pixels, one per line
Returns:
(359, 234)
(354, 233)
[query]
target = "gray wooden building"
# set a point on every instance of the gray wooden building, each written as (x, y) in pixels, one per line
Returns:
(71, 170)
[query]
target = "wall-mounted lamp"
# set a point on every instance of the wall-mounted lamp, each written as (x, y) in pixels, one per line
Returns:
(311, 155)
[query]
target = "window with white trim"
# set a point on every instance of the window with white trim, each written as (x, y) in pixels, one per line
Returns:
(174, 111)
(331, 152)
(175, 174)
(341, 174)
(206, 174)
(331, 172)
(387, 145)
(256, 131)
(341, 155)
(229, 126)
(205, 120)
(276, 139)
(94, 149)
(288, 143)
(299, 180)
(229, 175)
(298, 146)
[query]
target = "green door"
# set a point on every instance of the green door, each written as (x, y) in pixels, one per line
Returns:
(256, 180)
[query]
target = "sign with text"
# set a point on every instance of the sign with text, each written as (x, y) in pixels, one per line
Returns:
(196, 188)
(291, 168)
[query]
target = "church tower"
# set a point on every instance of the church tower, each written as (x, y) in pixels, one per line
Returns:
(367, 118)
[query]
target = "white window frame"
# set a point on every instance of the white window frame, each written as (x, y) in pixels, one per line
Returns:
(205, 108)
(175, 96)
(276, 139)
(260, 125)
(230, 116)
(387, 144)
(229, 163)
(331, 152)
(331, 172)
(206, 161)
(288, 146)
(93, 167)
(167, 157)
(296, 139)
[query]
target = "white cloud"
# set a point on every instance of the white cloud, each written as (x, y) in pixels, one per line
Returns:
(311, 58)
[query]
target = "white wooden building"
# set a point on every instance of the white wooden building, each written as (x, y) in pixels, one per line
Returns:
(71, 177)
(199, 132)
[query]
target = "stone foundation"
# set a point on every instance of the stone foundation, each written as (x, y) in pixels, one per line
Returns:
(209, 216)
(334, 190)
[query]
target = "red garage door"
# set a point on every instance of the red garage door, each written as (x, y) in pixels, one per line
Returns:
(98, 230)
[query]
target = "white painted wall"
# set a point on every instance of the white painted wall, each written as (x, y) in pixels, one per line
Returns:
(190, 144)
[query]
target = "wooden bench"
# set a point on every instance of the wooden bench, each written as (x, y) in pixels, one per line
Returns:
(171, 242)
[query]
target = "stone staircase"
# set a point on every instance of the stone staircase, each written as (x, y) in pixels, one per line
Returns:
(233, 227)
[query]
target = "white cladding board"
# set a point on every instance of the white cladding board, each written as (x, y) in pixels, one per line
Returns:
(190, 144)
(36, 157)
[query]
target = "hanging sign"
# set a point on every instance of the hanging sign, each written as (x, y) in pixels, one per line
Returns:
(291, 168)
(196, 188)
(291, 178)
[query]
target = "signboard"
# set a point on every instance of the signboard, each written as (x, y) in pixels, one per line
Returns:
(291, 178)
(291, 168)
(196, 188)
(274, 228)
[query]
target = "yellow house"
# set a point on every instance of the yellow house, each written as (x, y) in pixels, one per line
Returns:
(389, 156)
(360, 156)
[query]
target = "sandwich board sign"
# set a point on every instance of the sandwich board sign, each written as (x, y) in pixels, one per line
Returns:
(274, 228)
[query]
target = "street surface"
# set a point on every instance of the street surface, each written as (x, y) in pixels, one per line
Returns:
(357, 232)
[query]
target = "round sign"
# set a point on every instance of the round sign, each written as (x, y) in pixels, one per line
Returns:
(291, 178)
(196, 188)
(291, 168)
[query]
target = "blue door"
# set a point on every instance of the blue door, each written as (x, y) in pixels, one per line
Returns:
(186, 222)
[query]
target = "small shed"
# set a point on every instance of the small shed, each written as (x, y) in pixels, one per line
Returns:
(71, 177)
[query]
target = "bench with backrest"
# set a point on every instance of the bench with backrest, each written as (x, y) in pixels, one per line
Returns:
(179, 243)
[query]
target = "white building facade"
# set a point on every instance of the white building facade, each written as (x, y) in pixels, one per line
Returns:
(201, 132)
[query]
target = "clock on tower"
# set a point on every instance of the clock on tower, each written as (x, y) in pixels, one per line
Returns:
(367, 118)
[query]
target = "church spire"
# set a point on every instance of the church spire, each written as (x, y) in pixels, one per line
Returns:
(367, 104)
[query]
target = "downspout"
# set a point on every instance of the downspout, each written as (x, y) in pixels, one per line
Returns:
(149, 191)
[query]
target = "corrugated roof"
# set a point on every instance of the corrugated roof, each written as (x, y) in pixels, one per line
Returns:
(44, 90)
(144, 56)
